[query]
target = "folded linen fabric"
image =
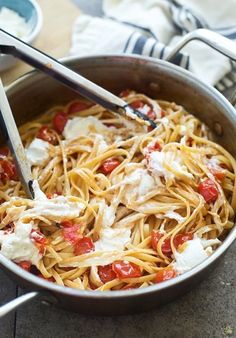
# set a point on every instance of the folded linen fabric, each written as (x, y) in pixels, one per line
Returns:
(152, 27)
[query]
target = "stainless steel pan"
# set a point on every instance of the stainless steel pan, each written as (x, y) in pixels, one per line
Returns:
(34, 93)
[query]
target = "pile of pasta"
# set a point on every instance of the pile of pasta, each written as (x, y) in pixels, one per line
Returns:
(144, 193)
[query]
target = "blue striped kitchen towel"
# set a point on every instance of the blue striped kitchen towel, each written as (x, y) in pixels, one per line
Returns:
(152, 27)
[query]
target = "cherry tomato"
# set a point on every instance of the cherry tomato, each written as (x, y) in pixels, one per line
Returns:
(4, 151)
(208, 190)
(125, 269)
(71, 232)
(166, 247)
(67, 224)
(106, 273)
(7, 170)
(217, 172)
(109, 165)
(9, 228)
(26, 265)
(137, 104)
(83, 246)
(129, 287)
(39, 239)
(77, 106)
(59, 121)
(47, 134)
(125, 93)
(180, 239)
(151, 114)
(154, 147)
(165, 274)
(150, 128)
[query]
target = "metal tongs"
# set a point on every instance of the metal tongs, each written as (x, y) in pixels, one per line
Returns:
(21, 50)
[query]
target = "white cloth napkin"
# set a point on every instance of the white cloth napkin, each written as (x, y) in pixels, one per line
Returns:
(152, 27)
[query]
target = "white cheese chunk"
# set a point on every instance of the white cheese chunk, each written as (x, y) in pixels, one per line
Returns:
(82, 126)
(192, 255)
(167, 164)
(113, 239)
(56, 209)
(37, 152)
(17, 245)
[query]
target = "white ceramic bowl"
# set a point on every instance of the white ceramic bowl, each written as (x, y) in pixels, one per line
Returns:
(31, 12)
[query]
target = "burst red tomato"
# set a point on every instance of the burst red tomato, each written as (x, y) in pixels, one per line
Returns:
(106, 273)
(39, 239)
(180, 239)
(26, 265)
(165, 274)
(125, 269)
(83, 246)
(59, 121)
(217, 172)
(125, 93)
(4, 151)
(137, 104)
(166, 247)
(151, 114)
(154, 147)
(71, 232)
(47, 134)
(77, 106)
(8, 170)
(109, 165)
(208, 190)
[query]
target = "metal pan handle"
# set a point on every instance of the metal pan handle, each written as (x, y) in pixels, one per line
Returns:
(15, 303)
(212, 39)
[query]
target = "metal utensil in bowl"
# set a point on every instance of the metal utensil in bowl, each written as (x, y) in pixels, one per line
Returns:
(48, 65)
(158, 79)
(12, 137)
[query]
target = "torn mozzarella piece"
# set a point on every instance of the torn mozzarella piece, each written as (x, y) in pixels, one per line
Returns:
(167, 164)
(102, 144)
(83, 126)
(38, 152)
(57, 209)
(138, 184)
(18, 246)
(113, 239)
(173, 215)
(195, 252)
(109, 216)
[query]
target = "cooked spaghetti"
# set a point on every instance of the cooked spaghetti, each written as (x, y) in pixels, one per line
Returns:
(119, 206)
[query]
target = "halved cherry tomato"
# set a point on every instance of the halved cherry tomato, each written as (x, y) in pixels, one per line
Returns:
(150, 128)
(77, 106)
(106, 273)
(7, 170)
(154, 147)
(67, 224)
(39, 239)
(125, 269)
(109, 165)
(47, 134)
(137, 104)
(166, 247)
(125, 93)
(217, 172)
(83, 246)
(165, 274)
(4, 151)
(59, 121)
(129, 287)
(26, 265)
(151, 114)
(71, 232)
(208, 190)
(180, 239)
